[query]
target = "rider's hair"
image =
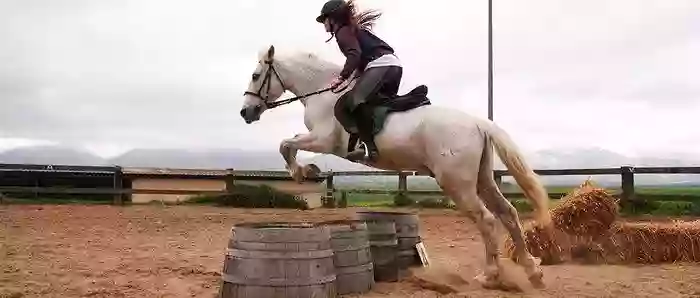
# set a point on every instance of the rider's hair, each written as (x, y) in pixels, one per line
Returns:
(355, 19)
(360, 19)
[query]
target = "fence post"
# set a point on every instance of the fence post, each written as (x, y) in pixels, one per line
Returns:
(329, 199)
(499, 179)
(343, 200)
(627, 173)
(118, 184)
(403, 183)
(229, 178)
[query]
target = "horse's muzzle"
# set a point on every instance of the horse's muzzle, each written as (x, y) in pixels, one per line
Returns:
(251, 114)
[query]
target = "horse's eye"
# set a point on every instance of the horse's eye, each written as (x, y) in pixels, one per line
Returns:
(256, 76)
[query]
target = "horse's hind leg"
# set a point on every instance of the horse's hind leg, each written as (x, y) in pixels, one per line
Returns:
(496, 202)
(459, 184)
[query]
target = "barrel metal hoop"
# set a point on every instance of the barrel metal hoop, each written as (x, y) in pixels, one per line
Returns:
(352, 248)
(278, 282)
(355, 269)
(377, 243)
(286, 255)
(406, 253)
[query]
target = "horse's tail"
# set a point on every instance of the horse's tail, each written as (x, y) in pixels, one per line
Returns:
(526, 178)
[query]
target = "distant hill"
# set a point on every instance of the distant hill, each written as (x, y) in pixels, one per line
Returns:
(272, 160)
(210, 158)
(51, 155)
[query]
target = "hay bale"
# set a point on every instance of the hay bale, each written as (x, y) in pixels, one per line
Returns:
(651, 243)
(586, 211)
(541, 244)
(625, 243)
(556, 247)
(585, 230)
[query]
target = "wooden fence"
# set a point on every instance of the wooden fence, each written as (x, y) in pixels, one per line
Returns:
(118, 176)
(627, 174)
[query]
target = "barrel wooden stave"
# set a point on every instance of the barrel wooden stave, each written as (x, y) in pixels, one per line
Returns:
(299, 264)
(383, 249)
(352, 256)
(355, 279)
(407, 253)
(408, 235)
(238, 291)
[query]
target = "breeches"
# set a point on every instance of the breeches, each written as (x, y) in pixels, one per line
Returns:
(374, 84)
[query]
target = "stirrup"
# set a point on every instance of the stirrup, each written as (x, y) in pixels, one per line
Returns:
(359, 153)
(356, 155)
(367, 156)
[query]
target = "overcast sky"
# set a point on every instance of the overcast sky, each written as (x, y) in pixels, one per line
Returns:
(110, 75)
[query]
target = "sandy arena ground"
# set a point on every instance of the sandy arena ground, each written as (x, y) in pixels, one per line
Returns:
(156, 251)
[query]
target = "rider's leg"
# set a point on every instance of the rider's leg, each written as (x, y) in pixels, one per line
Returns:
(368, 84)
(375, 82)
(390, 88)
(365, 126)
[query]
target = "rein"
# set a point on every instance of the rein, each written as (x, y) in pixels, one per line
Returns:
(266, 82)
(282, 102)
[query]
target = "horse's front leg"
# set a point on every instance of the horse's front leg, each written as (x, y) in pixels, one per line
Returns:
(311, 142)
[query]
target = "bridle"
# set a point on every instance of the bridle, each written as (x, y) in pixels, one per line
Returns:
(267, 77)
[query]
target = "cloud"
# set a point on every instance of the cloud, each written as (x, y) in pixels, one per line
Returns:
(110, 74)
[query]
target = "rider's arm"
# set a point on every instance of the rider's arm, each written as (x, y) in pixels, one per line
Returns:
(351, 49)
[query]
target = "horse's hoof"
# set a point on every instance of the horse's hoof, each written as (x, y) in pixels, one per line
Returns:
(487, 282)
(495, 283)
(311, 171)
(490, 283)
(536, 280)
(297, 174)
(537, 261)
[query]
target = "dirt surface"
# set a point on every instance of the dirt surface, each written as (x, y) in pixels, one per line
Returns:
(177, 251)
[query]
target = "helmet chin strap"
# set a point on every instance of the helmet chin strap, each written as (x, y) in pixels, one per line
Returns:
(329, 39)
(332, 32)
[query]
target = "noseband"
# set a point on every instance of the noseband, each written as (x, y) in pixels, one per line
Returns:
(267, 80)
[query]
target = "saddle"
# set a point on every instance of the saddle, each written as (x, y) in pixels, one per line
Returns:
(417, 97)
(381, 108)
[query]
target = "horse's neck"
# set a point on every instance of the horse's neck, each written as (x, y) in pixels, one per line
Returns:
(308, 74)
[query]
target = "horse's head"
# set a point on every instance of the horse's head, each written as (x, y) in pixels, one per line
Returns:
(265, 87)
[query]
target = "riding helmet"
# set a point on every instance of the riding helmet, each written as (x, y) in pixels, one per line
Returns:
(331, 8)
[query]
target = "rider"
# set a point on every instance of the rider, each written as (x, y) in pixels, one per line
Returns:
(380, 70)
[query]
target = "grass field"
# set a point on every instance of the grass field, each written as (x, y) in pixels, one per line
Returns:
(662, 200)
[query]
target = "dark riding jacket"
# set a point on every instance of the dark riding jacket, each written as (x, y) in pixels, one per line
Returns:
(359, 47)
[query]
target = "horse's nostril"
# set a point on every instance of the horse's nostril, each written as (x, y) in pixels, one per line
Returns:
(243, 113)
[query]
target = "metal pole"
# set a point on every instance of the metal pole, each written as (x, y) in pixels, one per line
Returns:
(490, 91)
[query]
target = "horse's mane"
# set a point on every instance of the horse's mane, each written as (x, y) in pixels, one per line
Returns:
(364, 19)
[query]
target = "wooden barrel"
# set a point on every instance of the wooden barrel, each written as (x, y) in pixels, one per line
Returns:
(352, 256)
(407, 232)
(279, 260)
(383, 247)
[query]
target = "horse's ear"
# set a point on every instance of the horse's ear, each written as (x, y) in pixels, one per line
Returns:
(271, 52)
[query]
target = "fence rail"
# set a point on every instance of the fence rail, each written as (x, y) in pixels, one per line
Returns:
(627, 173)
(105, 191)
(626, 194)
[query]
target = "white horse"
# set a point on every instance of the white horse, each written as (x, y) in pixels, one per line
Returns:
(448, 144)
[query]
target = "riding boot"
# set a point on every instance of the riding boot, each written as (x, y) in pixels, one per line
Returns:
(365, 123)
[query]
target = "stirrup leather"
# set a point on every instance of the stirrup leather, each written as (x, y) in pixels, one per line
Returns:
(364, 147)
